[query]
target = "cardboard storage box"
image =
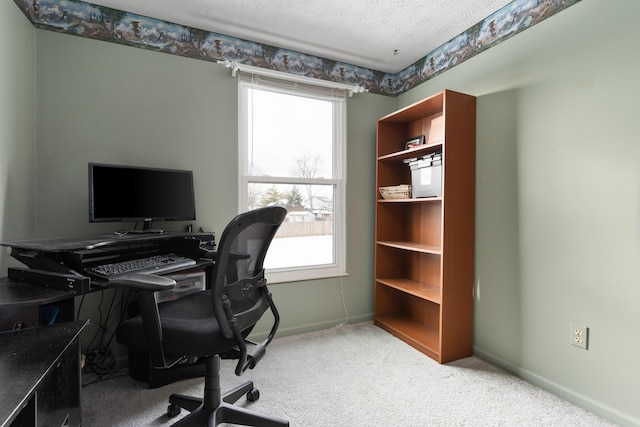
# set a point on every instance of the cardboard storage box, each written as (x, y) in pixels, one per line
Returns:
(426, 175)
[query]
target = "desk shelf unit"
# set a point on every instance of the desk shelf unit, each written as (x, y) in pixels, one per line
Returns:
(424, 246)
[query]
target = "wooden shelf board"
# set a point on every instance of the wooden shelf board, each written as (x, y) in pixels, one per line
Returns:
(418, 110)
(413, 152)
(415, 288)
(411, 246)
(417, 335)
(420, 200)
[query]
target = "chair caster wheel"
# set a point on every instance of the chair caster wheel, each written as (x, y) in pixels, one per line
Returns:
(173, 410)
(253, 395)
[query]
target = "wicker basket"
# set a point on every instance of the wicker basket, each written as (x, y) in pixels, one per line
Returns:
(396, 192)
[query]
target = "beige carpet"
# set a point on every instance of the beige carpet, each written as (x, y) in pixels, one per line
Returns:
(356, 375)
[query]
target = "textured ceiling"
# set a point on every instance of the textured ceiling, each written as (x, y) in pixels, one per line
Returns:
(383, 35)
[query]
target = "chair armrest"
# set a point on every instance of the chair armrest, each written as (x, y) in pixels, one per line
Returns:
(208, 253)
(142, 282)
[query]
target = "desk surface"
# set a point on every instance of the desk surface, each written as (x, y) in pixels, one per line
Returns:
(25, 294)
(26, 358)
(67, 244)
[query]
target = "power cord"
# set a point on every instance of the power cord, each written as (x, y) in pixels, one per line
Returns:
(344, 303)
(98, 360)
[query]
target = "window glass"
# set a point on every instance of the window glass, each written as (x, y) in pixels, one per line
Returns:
(292, 136)
(291, 153)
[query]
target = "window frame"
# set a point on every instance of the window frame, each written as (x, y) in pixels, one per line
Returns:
(248, 81)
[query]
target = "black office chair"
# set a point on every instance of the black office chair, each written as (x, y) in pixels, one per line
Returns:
(212, 323)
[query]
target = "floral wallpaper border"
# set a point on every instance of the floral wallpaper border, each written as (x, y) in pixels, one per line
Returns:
(102, 23)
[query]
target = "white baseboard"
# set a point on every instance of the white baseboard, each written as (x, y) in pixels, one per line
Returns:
(312, 327)
(605, 411)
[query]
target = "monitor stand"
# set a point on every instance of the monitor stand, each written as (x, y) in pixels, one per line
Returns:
(154, 231)
(146, 229)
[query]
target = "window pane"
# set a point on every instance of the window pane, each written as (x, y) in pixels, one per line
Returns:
(292, 148)
(286, 252)
(290, 136)
(306, 238)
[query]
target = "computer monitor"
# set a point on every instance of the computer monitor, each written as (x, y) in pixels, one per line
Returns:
(140, 194)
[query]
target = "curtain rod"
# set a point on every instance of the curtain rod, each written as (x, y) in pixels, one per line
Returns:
(235, 66)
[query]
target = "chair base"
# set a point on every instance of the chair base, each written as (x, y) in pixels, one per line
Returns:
(214, 408)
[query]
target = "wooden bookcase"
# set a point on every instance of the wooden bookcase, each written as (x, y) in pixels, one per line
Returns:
(424, 246)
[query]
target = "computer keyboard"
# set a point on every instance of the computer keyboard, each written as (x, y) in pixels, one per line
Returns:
(151, 265)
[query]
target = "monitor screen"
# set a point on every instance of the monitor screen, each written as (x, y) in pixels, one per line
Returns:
(130, 193)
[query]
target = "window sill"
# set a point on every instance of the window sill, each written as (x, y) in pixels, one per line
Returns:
(274, 277)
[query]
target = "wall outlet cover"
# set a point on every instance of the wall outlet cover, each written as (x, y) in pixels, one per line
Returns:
(579, 335)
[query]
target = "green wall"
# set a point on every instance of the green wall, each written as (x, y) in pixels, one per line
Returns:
(558, 203)
(102, 102)
(17, 127)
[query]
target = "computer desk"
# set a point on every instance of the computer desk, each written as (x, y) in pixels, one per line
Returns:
(40, 376)
(36, 356)
(22, 305)
(55, 271)
(61, 262)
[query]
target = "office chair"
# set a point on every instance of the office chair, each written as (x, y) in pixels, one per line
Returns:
(213, 323)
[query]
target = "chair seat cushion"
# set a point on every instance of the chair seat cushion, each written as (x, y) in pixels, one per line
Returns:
(189, 328)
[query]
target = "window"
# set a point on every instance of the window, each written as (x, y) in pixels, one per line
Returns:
(292, 153)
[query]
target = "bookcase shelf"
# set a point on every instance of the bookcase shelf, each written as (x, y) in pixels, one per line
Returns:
(412, 152)
(415, 247)
(421, 337)
(424, 246)
(413, 287)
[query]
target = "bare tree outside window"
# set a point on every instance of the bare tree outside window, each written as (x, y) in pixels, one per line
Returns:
(309, 166)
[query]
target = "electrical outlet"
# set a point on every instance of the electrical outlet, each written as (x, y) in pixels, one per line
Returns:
(580, 335)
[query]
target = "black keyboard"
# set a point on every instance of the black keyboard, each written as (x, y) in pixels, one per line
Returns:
(156, 264)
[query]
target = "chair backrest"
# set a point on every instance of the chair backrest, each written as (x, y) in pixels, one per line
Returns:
(239, 288)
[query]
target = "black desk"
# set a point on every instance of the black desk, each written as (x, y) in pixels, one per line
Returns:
(59, 260)
(40, 376)
(21, 304)
(70, 244)
(70, 256)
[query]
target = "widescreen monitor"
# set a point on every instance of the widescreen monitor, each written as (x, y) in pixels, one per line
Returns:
(140, 194)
